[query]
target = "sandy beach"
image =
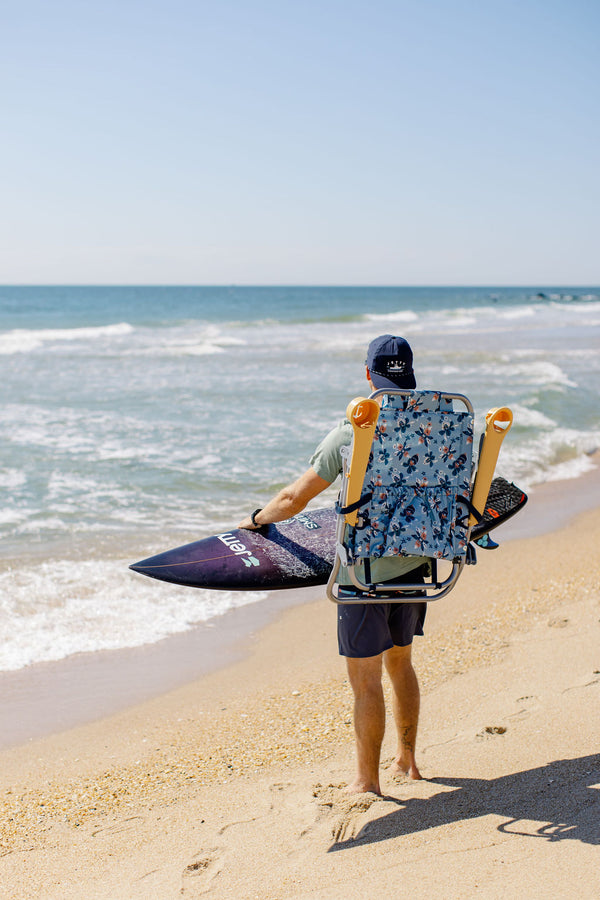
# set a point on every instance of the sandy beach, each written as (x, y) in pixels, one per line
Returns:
(230, 784)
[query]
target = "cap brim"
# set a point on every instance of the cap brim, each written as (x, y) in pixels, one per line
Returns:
(407, 383)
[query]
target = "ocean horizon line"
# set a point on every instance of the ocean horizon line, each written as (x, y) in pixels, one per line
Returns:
(308, 285)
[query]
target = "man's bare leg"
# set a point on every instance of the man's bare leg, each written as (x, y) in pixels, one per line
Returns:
(369, 721)
(406, 703)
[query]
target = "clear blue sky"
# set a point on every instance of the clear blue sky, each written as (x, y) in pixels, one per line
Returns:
(300, 141)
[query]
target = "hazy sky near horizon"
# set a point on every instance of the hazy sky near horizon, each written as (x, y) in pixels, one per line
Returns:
(329, 142)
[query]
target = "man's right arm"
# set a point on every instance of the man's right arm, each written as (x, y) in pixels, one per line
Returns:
(289, 501)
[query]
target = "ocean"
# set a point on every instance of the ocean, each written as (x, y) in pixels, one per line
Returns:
(135, 419)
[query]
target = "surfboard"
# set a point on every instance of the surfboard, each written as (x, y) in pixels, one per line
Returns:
(296, 553)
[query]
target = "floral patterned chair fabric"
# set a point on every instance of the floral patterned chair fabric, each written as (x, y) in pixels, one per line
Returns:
(419, 469)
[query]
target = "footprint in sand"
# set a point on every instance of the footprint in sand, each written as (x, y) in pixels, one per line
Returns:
(198, 875)
(282, 805)
(584, 683)
(490, 731)
(348, 809)
(283, 801)
(527, 705)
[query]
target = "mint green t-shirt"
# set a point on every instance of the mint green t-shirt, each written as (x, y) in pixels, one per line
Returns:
(327, 463)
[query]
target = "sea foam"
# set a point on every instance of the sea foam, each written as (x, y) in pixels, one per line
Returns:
(67, 607)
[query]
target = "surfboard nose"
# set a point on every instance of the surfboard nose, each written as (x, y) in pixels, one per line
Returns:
(144, 564)
(156, 567)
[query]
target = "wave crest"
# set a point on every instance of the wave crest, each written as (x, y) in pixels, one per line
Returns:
(22, 340)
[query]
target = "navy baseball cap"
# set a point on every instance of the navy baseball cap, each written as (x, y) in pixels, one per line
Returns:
(390, 362)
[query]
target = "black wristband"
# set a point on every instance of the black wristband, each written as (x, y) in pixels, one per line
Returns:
(253, 517)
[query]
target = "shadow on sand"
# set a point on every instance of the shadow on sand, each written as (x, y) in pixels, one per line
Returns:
(558, 801)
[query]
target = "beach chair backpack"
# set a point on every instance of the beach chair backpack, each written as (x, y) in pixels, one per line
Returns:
(412, 494)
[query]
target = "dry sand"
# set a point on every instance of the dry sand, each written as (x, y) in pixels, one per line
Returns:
(230, 785)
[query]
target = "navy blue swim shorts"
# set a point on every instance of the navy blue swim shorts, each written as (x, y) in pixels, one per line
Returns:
(368, 629)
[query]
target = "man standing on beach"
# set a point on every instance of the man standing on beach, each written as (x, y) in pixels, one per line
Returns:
(370, 636)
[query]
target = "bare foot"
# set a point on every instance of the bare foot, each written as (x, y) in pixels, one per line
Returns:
(398, 767)
(358, 786)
